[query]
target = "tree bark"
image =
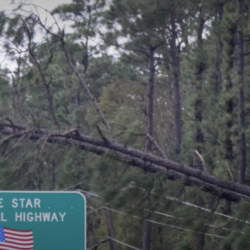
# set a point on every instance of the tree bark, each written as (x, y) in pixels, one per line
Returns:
(198, 106)
(229, 108)
(46, 83)
(227, 211)
(200, 68)
(218, 87)
(111, 229)
(200, 241)
(241, 104)
(150, 105)
(233, 191)
(53, 175)
(176, 73)
(146, 226)
(146, 237)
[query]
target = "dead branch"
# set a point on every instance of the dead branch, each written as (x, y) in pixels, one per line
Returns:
(79, 76)
(232, 191)
(86, 88)
(46, 84)
(13, 135)
(202, 164)
(157, 146)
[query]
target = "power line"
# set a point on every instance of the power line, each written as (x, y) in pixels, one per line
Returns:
(206, 209)
(122, 243)
(188, 204)
(90, 194)
(95, 210)
(201, 208)
(167, 225)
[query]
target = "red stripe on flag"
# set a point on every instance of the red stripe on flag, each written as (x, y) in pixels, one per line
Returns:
(17, 240)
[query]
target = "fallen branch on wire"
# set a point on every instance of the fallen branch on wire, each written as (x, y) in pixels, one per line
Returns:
(232, 191)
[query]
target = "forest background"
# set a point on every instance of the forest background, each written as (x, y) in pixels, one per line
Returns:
(141, 105)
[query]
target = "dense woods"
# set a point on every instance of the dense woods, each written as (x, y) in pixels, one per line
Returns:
(143, 106)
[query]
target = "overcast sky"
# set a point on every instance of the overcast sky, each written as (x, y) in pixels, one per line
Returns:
(6, 5)
(47, 4)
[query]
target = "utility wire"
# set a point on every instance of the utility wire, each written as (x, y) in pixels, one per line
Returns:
(206, 209)
(193, 205)
(122, 243)
(201, 208)
(90, 194)
(167, 225)
(95, 210)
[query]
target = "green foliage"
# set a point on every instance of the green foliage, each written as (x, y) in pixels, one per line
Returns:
(119, 86)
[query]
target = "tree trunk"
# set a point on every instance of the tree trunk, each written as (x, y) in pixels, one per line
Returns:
(241, 104)
(218, 87)
(233, 191)
(200, 241)
(199, 137)
(150, 104)
(53, 175)
(111, 229)
(146, 228)
(229, 106)
(176, 73)
(200, 68)
(146, 238)
(228, 101)
(227, 211)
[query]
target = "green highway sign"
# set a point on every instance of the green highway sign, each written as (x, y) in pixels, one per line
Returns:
(42, 221)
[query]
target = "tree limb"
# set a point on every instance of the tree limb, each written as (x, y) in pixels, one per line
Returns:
(232, 191)
(46, 83)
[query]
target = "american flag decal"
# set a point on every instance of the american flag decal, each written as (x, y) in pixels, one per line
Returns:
(12, 239)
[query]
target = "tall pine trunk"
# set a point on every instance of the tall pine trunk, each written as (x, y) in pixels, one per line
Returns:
(176, 76)
(150, 104)
(227, 96)
(111, 229)
(146, 237)
(199, 137)
(53, 175)
(200, 68)
(218, 87)
(241, 101)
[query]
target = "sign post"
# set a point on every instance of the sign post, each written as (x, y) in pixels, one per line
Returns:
(42, 220)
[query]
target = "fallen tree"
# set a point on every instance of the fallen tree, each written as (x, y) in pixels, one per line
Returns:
(232, 191)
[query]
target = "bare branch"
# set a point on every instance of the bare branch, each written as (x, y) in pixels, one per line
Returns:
(14, 147)
(13, 135)
(157, 146)
(46, 84)
(79, 76)
(86, 88)
(43, 146)
(202, 162)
